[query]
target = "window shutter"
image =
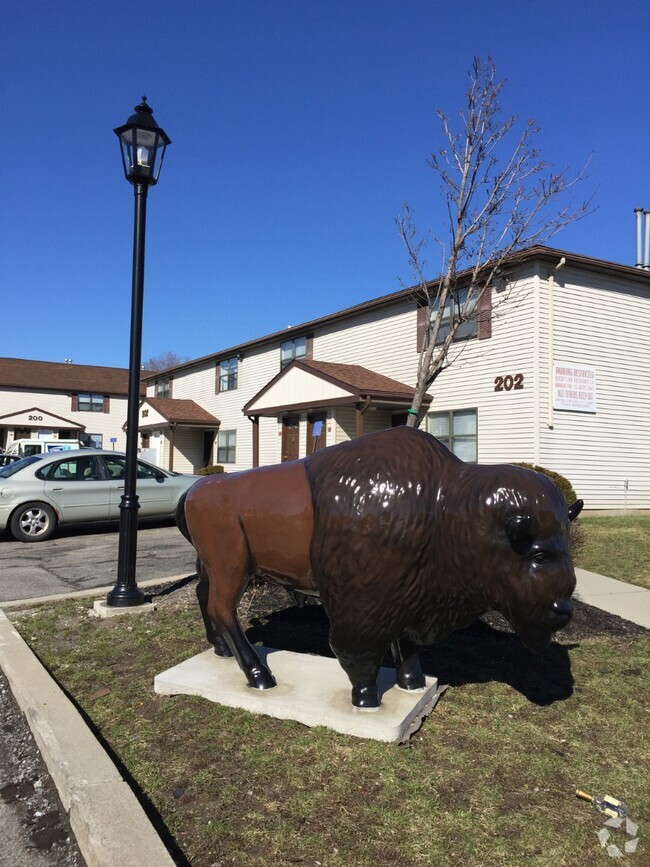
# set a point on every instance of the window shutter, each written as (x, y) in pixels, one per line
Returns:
(217, 379)
(171, 385)
(107, 403)
(485, 314)
(75, 403)
(422, 324)
(309, 347)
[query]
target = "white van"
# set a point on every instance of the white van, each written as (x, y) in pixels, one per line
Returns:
(25, 447)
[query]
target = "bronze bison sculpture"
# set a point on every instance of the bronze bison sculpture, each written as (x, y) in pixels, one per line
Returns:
(402, 541)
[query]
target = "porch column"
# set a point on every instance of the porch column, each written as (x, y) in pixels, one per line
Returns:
(255, 419)
(172, 431)
(359, 411)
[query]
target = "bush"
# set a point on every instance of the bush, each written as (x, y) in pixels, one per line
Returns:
(561, 481)
(208, 471)
(576, 535)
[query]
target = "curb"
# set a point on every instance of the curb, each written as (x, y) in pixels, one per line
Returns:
(110, 825)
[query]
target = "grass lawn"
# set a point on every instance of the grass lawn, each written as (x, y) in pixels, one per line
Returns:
(489, 779)
(618, 547)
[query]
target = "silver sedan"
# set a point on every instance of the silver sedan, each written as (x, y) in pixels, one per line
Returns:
(40, 492)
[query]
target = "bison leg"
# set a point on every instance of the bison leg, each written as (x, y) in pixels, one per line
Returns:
(409, 671)
(227, 569)
(257, 674)
(362, 669)
(211, 632)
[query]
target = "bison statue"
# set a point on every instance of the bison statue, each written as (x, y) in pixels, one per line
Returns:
(402, 541)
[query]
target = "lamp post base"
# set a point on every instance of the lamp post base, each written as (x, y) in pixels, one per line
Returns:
(126, 593)
(122, 596)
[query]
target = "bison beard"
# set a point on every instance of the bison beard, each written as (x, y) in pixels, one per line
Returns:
(403, 542)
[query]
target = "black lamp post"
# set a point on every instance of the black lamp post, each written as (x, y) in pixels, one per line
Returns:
(143, 144)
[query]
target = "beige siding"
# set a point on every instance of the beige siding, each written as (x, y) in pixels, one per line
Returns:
(383, 341)
(605, 325)
(188, 450)
(505, 430)
(108, 424)
(599, 322)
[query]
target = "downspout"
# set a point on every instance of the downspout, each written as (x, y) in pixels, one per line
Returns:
(255, 419)
(551, 287)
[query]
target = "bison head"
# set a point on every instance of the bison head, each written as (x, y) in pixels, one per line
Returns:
(534, 576)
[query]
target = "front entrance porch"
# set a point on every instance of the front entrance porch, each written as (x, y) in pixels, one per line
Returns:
(177, 435)
(320, 403)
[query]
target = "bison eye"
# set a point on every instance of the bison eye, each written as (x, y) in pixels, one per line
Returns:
(541, 557)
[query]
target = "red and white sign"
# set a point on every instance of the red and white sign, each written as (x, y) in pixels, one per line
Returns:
(574, 387)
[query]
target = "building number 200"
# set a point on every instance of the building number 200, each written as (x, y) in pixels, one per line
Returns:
(508, 383)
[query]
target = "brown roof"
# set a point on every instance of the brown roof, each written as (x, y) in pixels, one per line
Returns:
(58, 376)
(549, 255)
(358, 378)
(182, 411)
(363, 383)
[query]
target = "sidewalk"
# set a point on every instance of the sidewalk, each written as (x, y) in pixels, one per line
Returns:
(616, 597)
(108, 821)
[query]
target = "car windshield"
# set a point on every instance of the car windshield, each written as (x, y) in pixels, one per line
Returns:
(16, 466)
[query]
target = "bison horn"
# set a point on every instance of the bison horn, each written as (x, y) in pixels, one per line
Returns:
(519, 532)
(575, 509)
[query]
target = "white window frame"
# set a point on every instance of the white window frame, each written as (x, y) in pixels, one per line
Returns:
(454, 438)
(228, 374)
(227, 447)
(95, 402)
(291, 349)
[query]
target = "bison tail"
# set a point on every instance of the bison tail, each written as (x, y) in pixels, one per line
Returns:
(181, 522)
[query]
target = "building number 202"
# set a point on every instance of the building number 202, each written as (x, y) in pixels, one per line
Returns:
(509, 383)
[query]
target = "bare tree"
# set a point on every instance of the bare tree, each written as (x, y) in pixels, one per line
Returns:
(164, 360)
(501, 197)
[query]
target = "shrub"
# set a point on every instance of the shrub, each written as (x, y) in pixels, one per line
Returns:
(576, 535)
(208, 471)
(561, 481)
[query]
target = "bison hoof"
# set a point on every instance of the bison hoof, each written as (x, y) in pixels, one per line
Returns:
(222, 650)
(411, 681)
(365, 697)
(260, 678)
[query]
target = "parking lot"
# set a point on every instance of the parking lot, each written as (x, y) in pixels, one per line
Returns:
(85, 556)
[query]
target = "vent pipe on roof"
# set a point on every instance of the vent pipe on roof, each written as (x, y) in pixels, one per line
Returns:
(639, 234)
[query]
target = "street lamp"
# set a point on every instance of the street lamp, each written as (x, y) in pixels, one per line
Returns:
(143, 144)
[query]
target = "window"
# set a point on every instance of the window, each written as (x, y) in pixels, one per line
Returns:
(227, 375)
(454, 305)
(291, 349)
(116, 467)
(72, 470)
(90, 403)
(227, 447)
(457, 429)
(163, 387)
(96, 441)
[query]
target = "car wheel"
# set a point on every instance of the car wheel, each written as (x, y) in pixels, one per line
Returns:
(33, 522)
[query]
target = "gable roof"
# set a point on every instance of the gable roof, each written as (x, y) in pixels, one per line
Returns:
(178, 411)
(306, 383)
(58, 376)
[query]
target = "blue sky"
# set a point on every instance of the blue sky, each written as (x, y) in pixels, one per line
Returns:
(298, 127)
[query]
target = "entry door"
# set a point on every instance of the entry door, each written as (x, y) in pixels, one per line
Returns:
(290, 438)
(316, 434)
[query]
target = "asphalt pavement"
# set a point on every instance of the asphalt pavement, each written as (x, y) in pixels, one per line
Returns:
(85, 556)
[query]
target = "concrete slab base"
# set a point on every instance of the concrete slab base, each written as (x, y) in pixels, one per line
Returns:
(102, 609)
(311, 689)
